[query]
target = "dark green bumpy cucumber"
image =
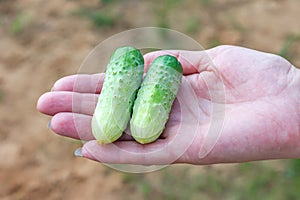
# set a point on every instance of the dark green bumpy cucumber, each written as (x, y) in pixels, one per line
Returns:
(155, 98)
(122, 79)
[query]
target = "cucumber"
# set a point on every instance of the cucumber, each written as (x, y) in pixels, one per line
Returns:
(123, 77)
(155, 98)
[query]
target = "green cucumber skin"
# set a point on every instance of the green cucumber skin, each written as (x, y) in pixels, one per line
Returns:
(155, 98)
(122, 79)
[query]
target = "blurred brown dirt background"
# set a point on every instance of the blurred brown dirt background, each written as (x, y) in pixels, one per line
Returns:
(42, 41)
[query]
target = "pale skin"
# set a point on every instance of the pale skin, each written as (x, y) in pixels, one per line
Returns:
(261, 106)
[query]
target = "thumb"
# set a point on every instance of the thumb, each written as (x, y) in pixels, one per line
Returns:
(129, 152)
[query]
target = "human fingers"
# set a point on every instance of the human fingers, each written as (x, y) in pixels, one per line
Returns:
(83, 83)
(76, 126)
(73, 125)
(191, 61)
(52, 103)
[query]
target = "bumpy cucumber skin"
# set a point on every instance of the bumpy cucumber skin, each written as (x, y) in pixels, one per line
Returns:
(122, 79)
(155, 98)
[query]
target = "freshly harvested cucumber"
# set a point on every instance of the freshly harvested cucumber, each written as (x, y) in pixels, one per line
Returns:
(123, 77)
(155, 98)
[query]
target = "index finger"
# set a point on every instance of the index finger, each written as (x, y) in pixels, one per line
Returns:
(81, 83)
(191, 61)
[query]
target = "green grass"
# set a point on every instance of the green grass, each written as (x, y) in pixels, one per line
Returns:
(258, 180)
(106, 2)
(99, 17)
(162, 11)
(286, 49)
(192, 25)
(206, 2)
(102, 18)
(1, 95)
(20, 22)
(213, 43)
(293, 169)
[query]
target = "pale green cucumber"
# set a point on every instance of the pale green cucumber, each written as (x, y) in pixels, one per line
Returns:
(155, 98)
(123, 77)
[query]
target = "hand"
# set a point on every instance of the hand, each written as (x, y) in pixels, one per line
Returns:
(258, 92)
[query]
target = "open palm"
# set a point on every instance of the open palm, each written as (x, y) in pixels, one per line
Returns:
(234, 105)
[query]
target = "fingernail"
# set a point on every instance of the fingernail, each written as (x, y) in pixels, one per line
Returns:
(49, 124)
(78, 152)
